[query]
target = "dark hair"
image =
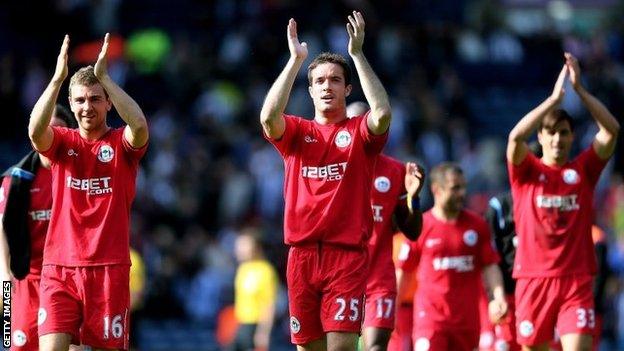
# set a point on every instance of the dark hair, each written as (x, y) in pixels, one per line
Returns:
(438, 174)
(61, 112)
(328, 57)
(554, 117)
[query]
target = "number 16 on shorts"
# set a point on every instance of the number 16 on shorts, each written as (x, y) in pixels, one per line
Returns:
(113, 327)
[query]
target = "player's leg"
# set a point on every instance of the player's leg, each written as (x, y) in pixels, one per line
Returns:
(542, 347)
(537, 308)
(379, 318)
(304, 302)
(344, 275)
(105, 306)
(55, 342)
(342, 341)
(376, 339)
(59, 313)
(577, 317)
(576, 342)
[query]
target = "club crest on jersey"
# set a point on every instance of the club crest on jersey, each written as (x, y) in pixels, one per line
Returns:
(106, 153)
(501, 345)
(382, 184)
(526, 328)
(295, 326)
(422, 344)
(42, 315)
(19, 338)
(470, 237)
(570, 176)
(343, 138)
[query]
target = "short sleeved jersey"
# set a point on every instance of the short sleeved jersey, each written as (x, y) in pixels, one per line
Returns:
(93, 188)
(328, 172)
(450, 257)
(554, 212)
(388, 187)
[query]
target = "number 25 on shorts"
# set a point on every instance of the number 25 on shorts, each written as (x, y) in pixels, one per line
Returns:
(354, 311)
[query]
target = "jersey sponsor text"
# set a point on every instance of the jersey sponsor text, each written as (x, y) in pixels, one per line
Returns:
(563, 203)
(333, 171)
(93, 186)
(458, 263)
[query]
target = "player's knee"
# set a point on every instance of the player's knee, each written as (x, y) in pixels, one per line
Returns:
(376, 347)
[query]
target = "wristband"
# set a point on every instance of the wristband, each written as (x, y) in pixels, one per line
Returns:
(413, 203)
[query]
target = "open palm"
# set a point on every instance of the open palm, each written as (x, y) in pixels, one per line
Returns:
(298, 50)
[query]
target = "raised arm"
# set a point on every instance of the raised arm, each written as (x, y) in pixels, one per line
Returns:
(271, 115)
(136, 131)
(493, 278)
(608, 126)
(381, 114)
(39, 131)
(409, 217)
(517, 147)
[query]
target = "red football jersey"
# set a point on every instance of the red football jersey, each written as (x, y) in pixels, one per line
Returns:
(554, 212)
(450, 257)
(38, 214)
(93, 187)
(388, 187)
(327, 182)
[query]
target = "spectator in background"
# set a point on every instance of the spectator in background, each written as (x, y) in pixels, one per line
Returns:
(255, 289)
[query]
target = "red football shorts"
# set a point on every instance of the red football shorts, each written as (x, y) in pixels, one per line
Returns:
(89, 303)
(456, 340)
(501, 336)
(401, 337)
(380, 310)
(24, 307)
(326, 287)
(542, 304)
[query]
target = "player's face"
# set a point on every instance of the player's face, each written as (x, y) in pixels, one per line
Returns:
(452, 194)
(328, 89)
(556, 142)
(90, 106)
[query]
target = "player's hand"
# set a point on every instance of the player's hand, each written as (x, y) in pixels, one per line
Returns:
(574, 69)
(101, 66)
(297, 50)
(414, 178)
(497, 310)
(60, 72)
(559, 91)
(355, 28)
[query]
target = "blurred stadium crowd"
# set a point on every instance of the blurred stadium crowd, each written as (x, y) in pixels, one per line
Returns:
(459, 74)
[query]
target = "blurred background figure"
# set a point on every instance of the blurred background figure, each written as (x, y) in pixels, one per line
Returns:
(256, 287)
